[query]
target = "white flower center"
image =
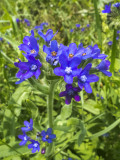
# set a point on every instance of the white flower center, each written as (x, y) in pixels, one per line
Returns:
(35, 145)
(25, 138)
(33, 67)
(83, 78)
(28, 43)
(68, 70)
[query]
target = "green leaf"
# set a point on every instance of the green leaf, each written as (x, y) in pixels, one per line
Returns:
(66, 111)
(82, 134)
(114, 50)
(109, 128)
(98, 22)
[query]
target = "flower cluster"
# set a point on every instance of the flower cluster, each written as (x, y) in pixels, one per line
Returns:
(35, 145)
(23, 21)
(108, 7)
(71, 62)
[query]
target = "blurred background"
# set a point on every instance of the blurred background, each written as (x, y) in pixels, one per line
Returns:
(99, 111)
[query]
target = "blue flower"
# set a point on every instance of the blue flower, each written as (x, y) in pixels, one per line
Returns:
(110, 43)
(40, 27)
(29, 126)
(88, 25)
(47, 136)
(118, 32)
(70, 93)
(28, 69)
(84, 79)
(90, 52)
(68, 68)
(83, 29)
(53, 52)
(27, 22)
(80, 46)
(35, 145)
(117, 38)
(71, 51)
(107, 9)
(77, 25)
(29, 46)
(48, 36)
(117, 5)
(24, 138)
(103, 67)
(71, 30)
(17, 20)
(1, 38)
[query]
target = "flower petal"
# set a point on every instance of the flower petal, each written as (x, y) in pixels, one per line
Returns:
(54, 45)
(88, 88)
(59, 71)
(63, 60)
(92, 78)
(62, 94)
(77, 97)
(74, 62)
(68, 79)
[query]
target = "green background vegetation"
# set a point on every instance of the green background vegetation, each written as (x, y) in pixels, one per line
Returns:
(82, 140)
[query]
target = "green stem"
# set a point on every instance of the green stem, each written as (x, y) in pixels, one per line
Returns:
(50, 100)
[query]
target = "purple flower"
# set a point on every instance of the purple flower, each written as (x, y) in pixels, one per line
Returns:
(117, 5)
(40, 27)
(70, 93)
(110, 43)
(103, 67)
(43, 151)
(107, 9)
(68, 68)
(24, 138)
(47, 136)
(48, 36)
(77, 25)
(84, 79)
(27, 22)
(29, 126)
(71, 30)
(35, 145)
(80, 46)
(83, 29)
(88, 25)
(28, 69)
(53, 52)
(29, 46)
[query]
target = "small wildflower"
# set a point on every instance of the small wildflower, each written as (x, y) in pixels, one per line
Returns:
(47, 136)
(17, 20)
(107, 9)
(27, 22)
(24, 138)
(71, 30)
(88, 25)
(77, 25)
(1, 39)
(68, 68)
(43, 151)
(53, 52)
(29, 126)
(28, 69)
(117, 5)
(110, 43)
(117, 38)
(48, 36)
(35, 145)
(103, 67)
(118, 32)
(83, 29)
(70, 93)
(84, 79)
(40, 27)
